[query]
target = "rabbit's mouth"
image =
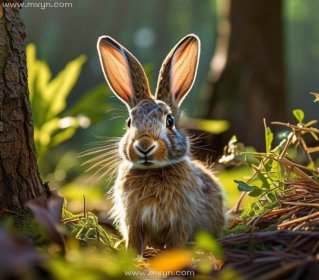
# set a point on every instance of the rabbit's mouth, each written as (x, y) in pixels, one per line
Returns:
(146, 161)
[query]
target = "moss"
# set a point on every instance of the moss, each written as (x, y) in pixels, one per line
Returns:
(270, 228)
(247, 212)
(254, 210)
(235, 230)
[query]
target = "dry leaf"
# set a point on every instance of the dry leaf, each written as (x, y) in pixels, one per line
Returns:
(173, 260)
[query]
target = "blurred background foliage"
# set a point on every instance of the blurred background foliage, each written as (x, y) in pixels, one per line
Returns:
(72, 105)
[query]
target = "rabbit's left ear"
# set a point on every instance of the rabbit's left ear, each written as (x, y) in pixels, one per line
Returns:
(178, 71)
(123, 72)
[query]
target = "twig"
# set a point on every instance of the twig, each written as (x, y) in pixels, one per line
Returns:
(276, 212)
(270, 156)
(293, 167)
(305, 218)
(289, 139)
(84, 207)
(72, 220)
(254, 221)
(305, 204)
(304, 146)
(311, 150)
(294, 127)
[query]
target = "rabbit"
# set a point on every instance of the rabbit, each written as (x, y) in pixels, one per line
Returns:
(161, 195)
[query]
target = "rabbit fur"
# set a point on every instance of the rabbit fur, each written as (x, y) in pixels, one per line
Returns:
(161, 195)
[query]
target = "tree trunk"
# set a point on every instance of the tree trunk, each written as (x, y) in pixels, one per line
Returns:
(19, 175)
(246, 81)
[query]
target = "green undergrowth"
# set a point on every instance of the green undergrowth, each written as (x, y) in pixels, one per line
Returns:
(241, 228)
(85, 227)
(257, 209)
(289, 157)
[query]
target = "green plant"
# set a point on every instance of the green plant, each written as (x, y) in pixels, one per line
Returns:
(277, 168)
(53, 122)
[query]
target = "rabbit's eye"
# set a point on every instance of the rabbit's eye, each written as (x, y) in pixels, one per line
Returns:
(169, 121)
(128, 123)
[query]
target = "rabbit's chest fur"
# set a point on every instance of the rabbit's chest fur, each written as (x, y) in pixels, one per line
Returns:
(162, 202)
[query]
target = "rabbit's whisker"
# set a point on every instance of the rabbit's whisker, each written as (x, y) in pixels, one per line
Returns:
(111, 175)
(97, 150)
(197, 149)
(101, 169)
(107, 155)
(104, 139)
(104, 143)
(99, 163)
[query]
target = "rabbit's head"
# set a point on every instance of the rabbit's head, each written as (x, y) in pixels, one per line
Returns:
(152, 138)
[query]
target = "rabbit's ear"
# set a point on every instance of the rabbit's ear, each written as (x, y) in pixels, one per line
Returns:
(178, 71)
(123, 72)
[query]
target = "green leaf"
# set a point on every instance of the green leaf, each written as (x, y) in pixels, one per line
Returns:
(263, 179)
(249, 157)
(268, 165)
(255, 192)
(207, 242)
(47, 131)
(31, 64)
(61, 86)
(269, 137)
(48, 100)
(63, 135)
(40, 105)
(270, 197)
(54, 132)
(276, 171)
(243, 187)
(36, 75)
(299, 115)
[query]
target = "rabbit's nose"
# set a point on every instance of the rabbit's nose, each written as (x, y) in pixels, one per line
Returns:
(144, 146)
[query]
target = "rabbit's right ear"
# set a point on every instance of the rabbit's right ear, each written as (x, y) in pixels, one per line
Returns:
(123, 72)
(178, 71)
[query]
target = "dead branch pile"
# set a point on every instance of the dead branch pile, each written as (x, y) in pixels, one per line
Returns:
(271, 255)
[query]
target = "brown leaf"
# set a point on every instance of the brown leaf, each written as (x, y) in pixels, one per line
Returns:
(48, 212)
(17, 255)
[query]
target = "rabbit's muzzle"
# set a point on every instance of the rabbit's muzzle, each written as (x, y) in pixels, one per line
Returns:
(145, 150)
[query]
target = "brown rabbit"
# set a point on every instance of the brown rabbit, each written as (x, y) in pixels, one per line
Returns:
(161, 196)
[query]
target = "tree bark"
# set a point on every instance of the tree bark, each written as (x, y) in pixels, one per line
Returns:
(19, 176)
(246, 82)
